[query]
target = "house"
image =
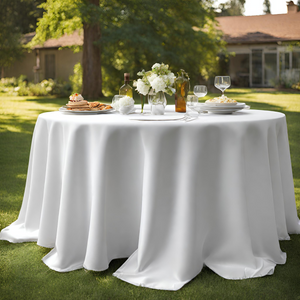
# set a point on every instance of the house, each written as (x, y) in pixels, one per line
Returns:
(51, 60)
(261, 47)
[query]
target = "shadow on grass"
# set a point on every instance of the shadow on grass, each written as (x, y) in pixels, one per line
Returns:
(15, 141)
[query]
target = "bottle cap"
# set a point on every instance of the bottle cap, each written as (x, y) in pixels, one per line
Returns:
(126, 76)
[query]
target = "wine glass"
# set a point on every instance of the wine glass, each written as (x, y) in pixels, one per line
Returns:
(192, 101)
(222, 83)
(200, 90)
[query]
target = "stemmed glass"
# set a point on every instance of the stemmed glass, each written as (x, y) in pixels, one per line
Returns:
(222, 83)
(200, 90)
(192, 101)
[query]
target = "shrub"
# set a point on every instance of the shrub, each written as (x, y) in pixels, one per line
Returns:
(296, 86)
(287, 79)
(21, 87)
(62, 89)
(76, 79)
(8, 82)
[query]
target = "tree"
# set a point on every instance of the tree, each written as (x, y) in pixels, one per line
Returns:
(16, 18)
(231, 8)
(63, 17)
(149, 31)
(267, 7)
(131, 35)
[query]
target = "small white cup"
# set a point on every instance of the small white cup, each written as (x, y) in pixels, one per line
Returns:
(125, 110)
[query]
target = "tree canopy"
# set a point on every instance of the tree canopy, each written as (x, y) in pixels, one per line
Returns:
(132, 35)
(231, 8)
(267, 7)
(17, 17)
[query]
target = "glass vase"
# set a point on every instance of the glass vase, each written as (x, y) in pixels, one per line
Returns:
(157, 101)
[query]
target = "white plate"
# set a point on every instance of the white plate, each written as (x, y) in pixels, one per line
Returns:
(157, 118)
(225, 105)
(63, 109)
(221, 111)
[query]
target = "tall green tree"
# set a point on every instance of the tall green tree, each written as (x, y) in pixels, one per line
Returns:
(149, 31)
(17, 17)
(131, 35)
(231, 8)
(267, 7)
(64, 17)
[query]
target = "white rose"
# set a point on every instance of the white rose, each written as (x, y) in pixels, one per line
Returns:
(141, 87)
(157, 65)
(151, 78)
(171, 78)
(158, 84)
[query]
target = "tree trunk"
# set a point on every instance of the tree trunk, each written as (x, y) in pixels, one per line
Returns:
(91, 61)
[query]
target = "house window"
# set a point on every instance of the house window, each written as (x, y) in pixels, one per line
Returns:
(287, 61)
(270, 68)
(284, 63)
(296, 60)
(257, 69)
(50, 66)
(239, 70)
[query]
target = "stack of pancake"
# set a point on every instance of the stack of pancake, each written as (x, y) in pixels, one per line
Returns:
(77, 103)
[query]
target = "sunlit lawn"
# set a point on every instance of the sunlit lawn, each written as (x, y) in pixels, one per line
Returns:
(24, 276)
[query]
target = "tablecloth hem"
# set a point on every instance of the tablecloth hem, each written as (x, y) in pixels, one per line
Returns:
(49, 246)
(69, 269)
(17, 241)
(256, 274)
(175, 286)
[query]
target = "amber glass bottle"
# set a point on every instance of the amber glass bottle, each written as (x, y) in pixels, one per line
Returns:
(182, 86)
(126, 89)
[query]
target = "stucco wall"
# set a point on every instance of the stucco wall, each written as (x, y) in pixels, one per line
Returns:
(22, 67)
(65, 60)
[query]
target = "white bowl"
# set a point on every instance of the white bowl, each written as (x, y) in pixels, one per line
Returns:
(125, 110)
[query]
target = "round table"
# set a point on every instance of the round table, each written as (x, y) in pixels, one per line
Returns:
(172, 196)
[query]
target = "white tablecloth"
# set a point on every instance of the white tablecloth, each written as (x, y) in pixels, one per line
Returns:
(172, 196)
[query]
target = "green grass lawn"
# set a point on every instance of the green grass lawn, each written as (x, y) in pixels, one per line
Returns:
(23, 275)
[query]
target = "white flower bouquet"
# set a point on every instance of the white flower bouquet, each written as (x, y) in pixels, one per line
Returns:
(160, 79)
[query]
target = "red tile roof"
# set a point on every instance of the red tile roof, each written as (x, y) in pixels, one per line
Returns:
(260, 29)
